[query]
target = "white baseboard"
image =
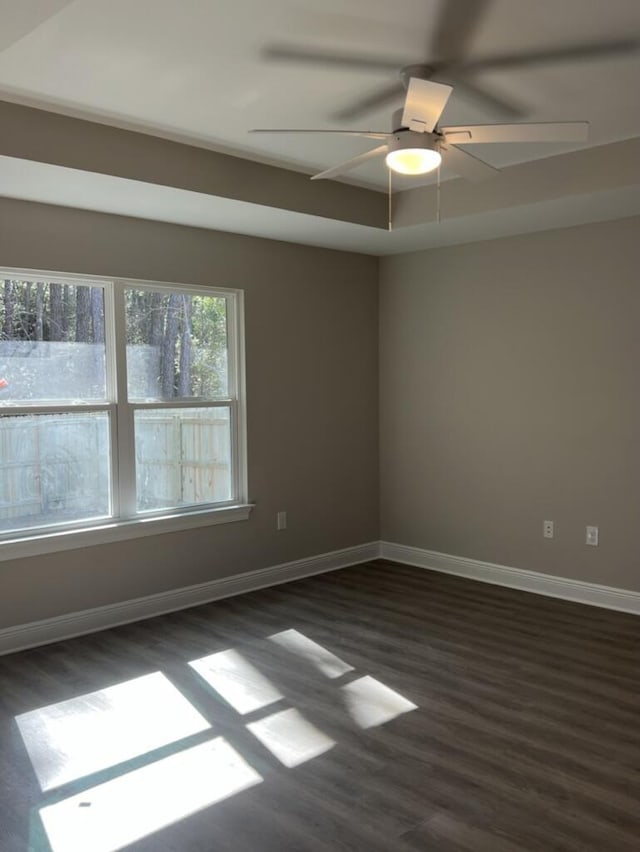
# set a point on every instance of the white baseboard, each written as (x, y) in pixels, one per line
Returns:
(24, 636)
(101, 618)
(515, 578)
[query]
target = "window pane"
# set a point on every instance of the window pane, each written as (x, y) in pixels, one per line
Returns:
(183, 457)
(54, 469)
(51, 342)
(176, 345)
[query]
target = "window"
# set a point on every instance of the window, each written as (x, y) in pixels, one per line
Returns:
(120, 404)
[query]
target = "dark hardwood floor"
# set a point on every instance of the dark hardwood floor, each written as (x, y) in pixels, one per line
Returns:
(376, 708)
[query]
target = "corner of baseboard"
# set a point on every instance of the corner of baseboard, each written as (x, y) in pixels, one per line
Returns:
(68, 626)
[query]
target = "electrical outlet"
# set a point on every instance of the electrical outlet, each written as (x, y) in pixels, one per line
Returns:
(592, 536)
(281, 520)
(547, 529)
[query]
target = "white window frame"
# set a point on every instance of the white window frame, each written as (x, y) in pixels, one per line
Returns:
(126, 522)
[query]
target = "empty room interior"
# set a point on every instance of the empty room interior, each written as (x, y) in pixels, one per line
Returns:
(319, 424)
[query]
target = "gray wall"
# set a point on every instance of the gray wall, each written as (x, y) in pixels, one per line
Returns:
(312, 339)
(510, 394)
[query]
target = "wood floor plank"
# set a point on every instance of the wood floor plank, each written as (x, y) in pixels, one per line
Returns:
(405, 710)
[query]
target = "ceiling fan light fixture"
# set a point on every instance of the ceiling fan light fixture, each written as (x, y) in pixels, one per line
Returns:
(413, 161)
(413, 153)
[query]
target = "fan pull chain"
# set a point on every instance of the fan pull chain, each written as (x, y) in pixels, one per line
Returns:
(390, 210)
(438, 197)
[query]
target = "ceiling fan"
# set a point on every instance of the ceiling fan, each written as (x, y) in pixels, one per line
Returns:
(417, 144)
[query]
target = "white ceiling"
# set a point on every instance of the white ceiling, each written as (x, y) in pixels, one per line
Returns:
(194, 71)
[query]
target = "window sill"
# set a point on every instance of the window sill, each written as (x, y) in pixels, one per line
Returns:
(105, 533)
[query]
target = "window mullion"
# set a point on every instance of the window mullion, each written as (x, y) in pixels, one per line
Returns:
(184, 405)
(238, 391)
(53, 408)
(126, 462)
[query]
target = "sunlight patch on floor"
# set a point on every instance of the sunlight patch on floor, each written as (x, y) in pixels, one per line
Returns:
(323, 660)
(78, 737)
(371, 703)
(112, 815)
(82, 735)
(290, 737)
(237, 681)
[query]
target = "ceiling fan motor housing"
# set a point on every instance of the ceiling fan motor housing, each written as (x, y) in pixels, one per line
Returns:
(405, 138)
(397, 125)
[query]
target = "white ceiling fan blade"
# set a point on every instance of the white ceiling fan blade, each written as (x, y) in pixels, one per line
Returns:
(352, 163)
(424, 104)
(370, 134)
(551, 131)
(466, 165)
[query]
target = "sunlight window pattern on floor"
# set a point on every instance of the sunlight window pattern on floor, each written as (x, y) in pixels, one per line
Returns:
(82, 735)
